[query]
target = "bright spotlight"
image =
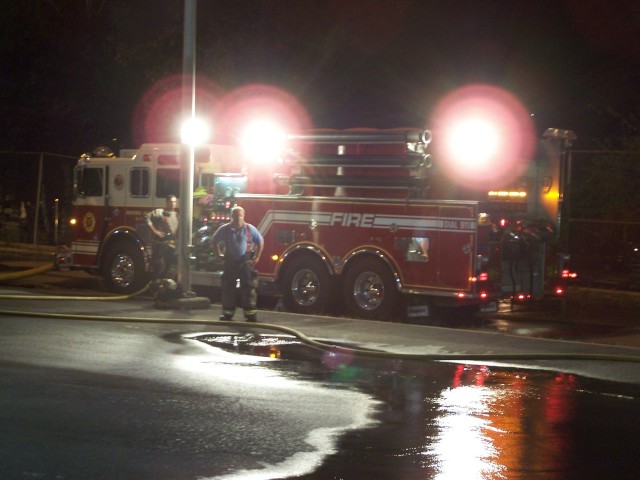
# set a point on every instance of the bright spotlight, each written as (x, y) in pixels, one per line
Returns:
(194, 131)
(473, 141)
(263, 140)
(483, 136)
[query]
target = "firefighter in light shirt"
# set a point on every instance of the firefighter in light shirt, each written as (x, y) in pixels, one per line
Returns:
(163, 223)
(241, 244)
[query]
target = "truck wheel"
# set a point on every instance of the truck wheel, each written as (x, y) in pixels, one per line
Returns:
(306, 286)
(370, 290)
(124, 270)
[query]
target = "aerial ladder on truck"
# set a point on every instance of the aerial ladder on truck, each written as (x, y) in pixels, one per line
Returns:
(351, 222)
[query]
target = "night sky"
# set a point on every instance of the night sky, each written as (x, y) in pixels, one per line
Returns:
(77, 74)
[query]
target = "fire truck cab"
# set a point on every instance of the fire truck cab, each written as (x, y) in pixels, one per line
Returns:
(112, 196)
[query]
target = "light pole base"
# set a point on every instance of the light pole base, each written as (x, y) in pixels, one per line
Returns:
(185, 303)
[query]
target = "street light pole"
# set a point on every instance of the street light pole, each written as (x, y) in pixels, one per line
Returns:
(187, 151)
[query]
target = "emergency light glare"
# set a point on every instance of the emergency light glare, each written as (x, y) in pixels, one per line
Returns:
(263, 139)
(473, 141)
(483, 136)
(194, 131)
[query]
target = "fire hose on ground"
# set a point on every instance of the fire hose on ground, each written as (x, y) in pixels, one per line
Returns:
(318, 345)
(45, 268)
(26, 273)
(336, 349)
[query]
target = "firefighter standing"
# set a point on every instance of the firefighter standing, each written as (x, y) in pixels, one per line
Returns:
(163, 222)
(241, 244)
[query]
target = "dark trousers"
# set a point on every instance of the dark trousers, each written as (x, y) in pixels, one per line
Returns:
(163, 258)
(245, 296)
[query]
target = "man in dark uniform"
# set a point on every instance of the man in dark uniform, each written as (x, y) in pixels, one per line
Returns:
(241, 245)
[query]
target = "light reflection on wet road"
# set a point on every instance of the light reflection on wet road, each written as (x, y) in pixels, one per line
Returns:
(451, 421)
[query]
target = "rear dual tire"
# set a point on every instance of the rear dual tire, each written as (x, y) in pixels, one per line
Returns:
(307, 286)
(370, 291)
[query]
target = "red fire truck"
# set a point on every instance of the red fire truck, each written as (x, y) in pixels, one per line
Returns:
(358, 218)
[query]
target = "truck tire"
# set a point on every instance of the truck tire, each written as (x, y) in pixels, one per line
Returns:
(306, 286)
(370, 291)
(124, 270)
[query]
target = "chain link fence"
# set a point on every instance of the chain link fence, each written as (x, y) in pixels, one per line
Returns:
(36, 194)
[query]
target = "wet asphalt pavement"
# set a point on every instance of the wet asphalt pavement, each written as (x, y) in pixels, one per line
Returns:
(127, 398)
(493, 419)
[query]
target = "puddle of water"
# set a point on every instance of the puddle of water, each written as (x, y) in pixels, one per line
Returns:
(454, 421)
